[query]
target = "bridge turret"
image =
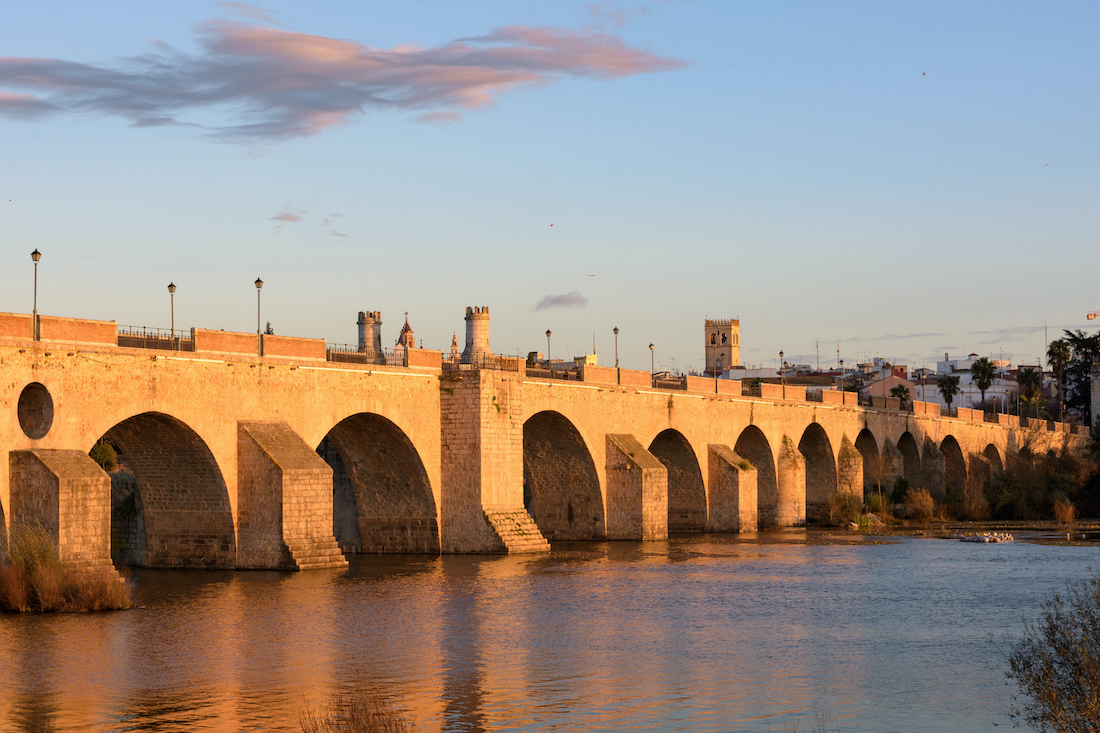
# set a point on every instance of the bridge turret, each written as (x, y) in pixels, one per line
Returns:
(370, 331)
(477, 334)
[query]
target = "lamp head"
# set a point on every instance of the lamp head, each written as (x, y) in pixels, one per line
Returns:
(615, 330)
(651, 347)
(548, 333)
(171, 287)
(36, 255)
(259, 283)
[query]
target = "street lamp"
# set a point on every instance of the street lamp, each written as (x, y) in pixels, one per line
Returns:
(616, 332)
(548, 348)
(172, 300)
(35, 256)
(652, 368)
(259, 339)
(783, 374)
(841, 378)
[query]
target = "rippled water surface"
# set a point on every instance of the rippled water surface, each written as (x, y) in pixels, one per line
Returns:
(703, 633)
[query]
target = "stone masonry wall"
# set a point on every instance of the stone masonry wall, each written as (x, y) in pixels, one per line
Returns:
(687, 497)
(637, 491)
(732, 500)
(69, 495)
(561, 480)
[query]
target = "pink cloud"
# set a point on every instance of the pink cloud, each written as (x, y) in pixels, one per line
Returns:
(288, 215)
(269, 84)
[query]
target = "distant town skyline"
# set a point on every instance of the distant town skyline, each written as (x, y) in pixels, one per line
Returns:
(908, 182)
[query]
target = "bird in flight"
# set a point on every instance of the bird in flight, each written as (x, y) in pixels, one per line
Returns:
(551, 225)
(591, 276)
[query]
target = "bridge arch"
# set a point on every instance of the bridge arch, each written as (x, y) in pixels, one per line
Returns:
(687, 497)
(821, 478)
(910, 459)
(169, 501)
(872, 460)
(993, 456)
(561, 487)
(954, 466)
(753, 446)
(382, 496)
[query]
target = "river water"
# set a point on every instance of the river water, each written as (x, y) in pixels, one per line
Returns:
(699, 633)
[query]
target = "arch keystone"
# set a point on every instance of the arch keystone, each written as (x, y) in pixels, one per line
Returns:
(285, 501)
(637, 491)
(732, 500)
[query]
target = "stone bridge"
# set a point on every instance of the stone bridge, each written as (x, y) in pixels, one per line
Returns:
(276, 452)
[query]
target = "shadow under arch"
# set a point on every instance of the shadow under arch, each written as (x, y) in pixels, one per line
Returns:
(820, 469)
(561, 488)
(910, 459)
(993, 457)
(687, 497)
(170, 506)
(382, 498)
(954, 468)
(753, 446)
(874, 469)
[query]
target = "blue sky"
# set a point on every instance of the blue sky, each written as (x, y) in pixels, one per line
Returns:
(910, 180)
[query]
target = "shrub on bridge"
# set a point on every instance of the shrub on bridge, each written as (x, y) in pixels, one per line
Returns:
(104, 454)
(34, 579)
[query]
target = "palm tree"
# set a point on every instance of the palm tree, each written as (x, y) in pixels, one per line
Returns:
(982, 372)
(949, 387)
(1059, 354)
(1031, 386)
(901, 392)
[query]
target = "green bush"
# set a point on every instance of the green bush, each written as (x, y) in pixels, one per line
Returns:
(104, 454)
(901, 488)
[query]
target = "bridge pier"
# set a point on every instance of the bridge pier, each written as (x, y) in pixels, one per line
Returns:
(892, 465)
(481, 505)
(284, 490)
(66, 493)
(731, 491)
(934, 470)
(637, 491)
(791, 479)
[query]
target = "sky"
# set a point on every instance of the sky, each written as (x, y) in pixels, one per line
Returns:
(907, 180)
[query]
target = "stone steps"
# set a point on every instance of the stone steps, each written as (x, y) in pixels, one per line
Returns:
(316, 553)
(517, 531)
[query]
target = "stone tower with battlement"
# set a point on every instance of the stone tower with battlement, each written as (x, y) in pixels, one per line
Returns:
(370, 331)
(477, 334)
(723, 344)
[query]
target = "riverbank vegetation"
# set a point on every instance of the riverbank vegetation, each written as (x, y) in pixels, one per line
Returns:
(356, 711)
(1057, 663)
(33, 578)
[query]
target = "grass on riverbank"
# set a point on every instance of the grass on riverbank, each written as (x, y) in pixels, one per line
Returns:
(34, 579)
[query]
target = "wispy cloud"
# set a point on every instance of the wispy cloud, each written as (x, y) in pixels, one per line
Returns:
(895, 337)
(569, 300)
(338, 234)
(616, 15)
(289, 215)
(330, 217)
(268, 84)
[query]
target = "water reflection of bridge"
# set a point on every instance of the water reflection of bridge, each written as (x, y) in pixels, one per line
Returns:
(290, 459)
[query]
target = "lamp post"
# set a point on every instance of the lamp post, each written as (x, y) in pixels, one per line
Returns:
(842, 379)
(548, 348)
(172, 300)
(652, 366)
(616, 332)
(259, 337)
(35, 257)
(783, 374)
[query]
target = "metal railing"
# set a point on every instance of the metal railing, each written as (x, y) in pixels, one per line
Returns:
(495, 362)
(670, 383)
(350, 354)
(573, 375)
(750, 388)
(814, 396)
(162, 339)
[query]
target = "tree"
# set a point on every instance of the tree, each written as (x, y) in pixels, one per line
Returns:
(269, 331)
(1031, 386)
(901, 392)
(949, 387)
(1057, 663)
(982, 372)
(1086, 352)
(1059, 354)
